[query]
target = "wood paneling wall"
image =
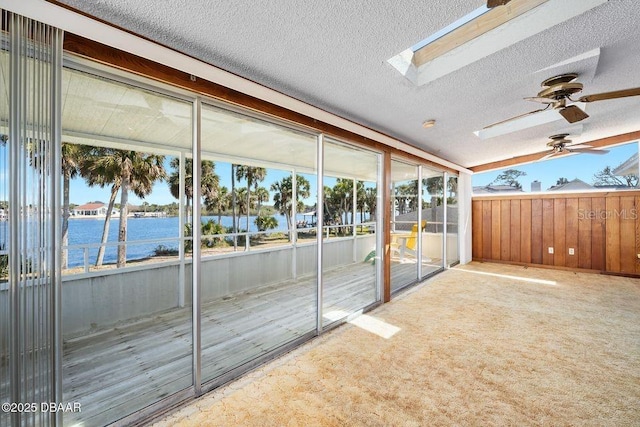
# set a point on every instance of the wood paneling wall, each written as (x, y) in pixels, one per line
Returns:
(603, 229)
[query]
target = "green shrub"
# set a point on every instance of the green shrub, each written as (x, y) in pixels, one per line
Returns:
(162, 250)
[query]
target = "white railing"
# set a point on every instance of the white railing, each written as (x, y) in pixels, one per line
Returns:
(329, 231)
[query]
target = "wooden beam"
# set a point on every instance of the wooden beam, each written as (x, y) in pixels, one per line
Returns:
(386, 221)
(107, 55)
(530, 158)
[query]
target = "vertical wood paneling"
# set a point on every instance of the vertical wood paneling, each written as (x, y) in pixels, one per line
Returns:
(515, 231)
(571, 231)
(536, 231)
(627, 235)
(476, 224)
(603, 229)
(495, 229)
(598, 212)
(559, 237)
(547, 231)
(584, 232)
(486, 229)
(505, 230)
(525, 231)
(613, 234)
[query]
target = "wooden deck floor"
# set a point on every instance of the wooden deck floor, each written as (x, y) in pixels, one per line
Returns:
(123, 370)
(404, 273)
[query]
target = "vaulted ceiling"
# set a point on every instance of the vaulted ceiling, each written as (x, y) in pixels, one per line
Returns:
(333, 54)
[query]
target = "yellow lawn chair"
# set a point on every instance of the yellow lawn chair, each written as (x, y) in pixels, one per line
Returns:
(412, 241)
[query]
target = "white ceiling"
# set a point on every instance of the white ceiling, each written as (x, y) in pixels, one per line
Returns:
(333, 54)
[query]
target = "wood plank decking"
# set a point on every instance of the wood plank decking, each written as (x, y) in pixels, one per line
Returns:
(124, 369)
(405, 273)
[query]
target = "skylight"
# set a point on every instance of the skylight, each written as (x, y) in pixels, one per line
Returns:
(481, 33)
(450, 28)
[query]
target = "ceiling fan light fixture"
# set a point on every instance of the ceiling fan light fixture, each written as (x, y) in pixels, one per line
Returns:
(429, 123)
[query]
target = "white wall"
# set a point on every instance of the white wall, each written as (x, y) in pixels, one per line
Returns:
(94, 302)
(465, 190)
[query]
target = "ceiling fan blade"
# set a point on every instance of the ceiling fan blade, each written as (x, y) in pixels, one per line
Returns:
(573, 114)
(586, 150)
(540, 99)
(494, 3)
(611, 95)
(515, 118)
(516, 124)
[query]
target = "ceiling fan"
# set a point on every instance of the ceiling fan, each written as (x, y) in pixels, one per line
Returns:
(560, 145)
(557, 90)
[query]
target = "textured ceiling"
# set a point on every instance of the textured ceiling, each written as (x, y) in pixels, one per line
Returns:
(333, 54)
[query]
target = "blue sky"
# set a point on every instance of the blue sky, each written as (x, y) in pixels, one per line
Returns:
(80, 193)
(581, 166)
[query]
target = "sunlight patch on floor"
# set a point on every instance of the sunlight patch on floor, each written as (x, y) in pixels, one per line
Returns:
(365, 322)
(522, 279)
(375, 326)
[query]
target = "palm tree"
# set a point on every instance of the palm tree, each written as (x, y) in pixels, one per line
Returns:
(71, 156)
(283, 197)
(262, 195)
(265, 223)
(127, 170)
(209, 180)
(361, 201)
(233, 206)
(252, 175)
(218, 203)
(96, 170)
(139, 172)
(371, 201)
(244, 202)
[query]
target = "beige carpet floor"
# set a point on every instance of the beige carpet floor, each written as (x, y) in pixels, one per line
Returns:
(479, 345)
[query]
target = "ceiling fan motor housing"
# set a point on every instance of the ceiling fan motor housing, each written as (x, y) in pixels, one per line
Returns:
(560, 91)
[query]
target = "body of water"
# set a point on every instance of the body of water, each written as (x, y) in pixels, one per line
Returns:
(164, 231)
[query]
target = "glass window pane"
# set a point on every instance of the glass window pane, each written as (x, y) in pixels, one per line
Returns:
(452, 220)
(404, 224)
(433, 214)
(350, 270)
(126, 292)
(259, 260)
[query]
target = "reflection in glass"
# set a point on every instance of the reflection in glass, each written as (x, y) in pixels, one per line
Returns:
(258, 285)
(350, 270)
(126, 298)
(453, 256)
(433, 212)
(405, 224)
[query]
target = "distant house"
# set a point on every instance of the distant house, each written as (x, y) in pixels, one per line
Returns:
(496, 189)
(3, 214)
(93, 209)
(628, 167)
(574, 185)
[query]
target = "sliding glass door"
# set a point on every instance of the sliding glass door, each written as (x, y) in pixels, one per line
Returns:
(259, 251)
(405, 221)
(126, 288)
(452, 250)
(433, 217)
(350, 231)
